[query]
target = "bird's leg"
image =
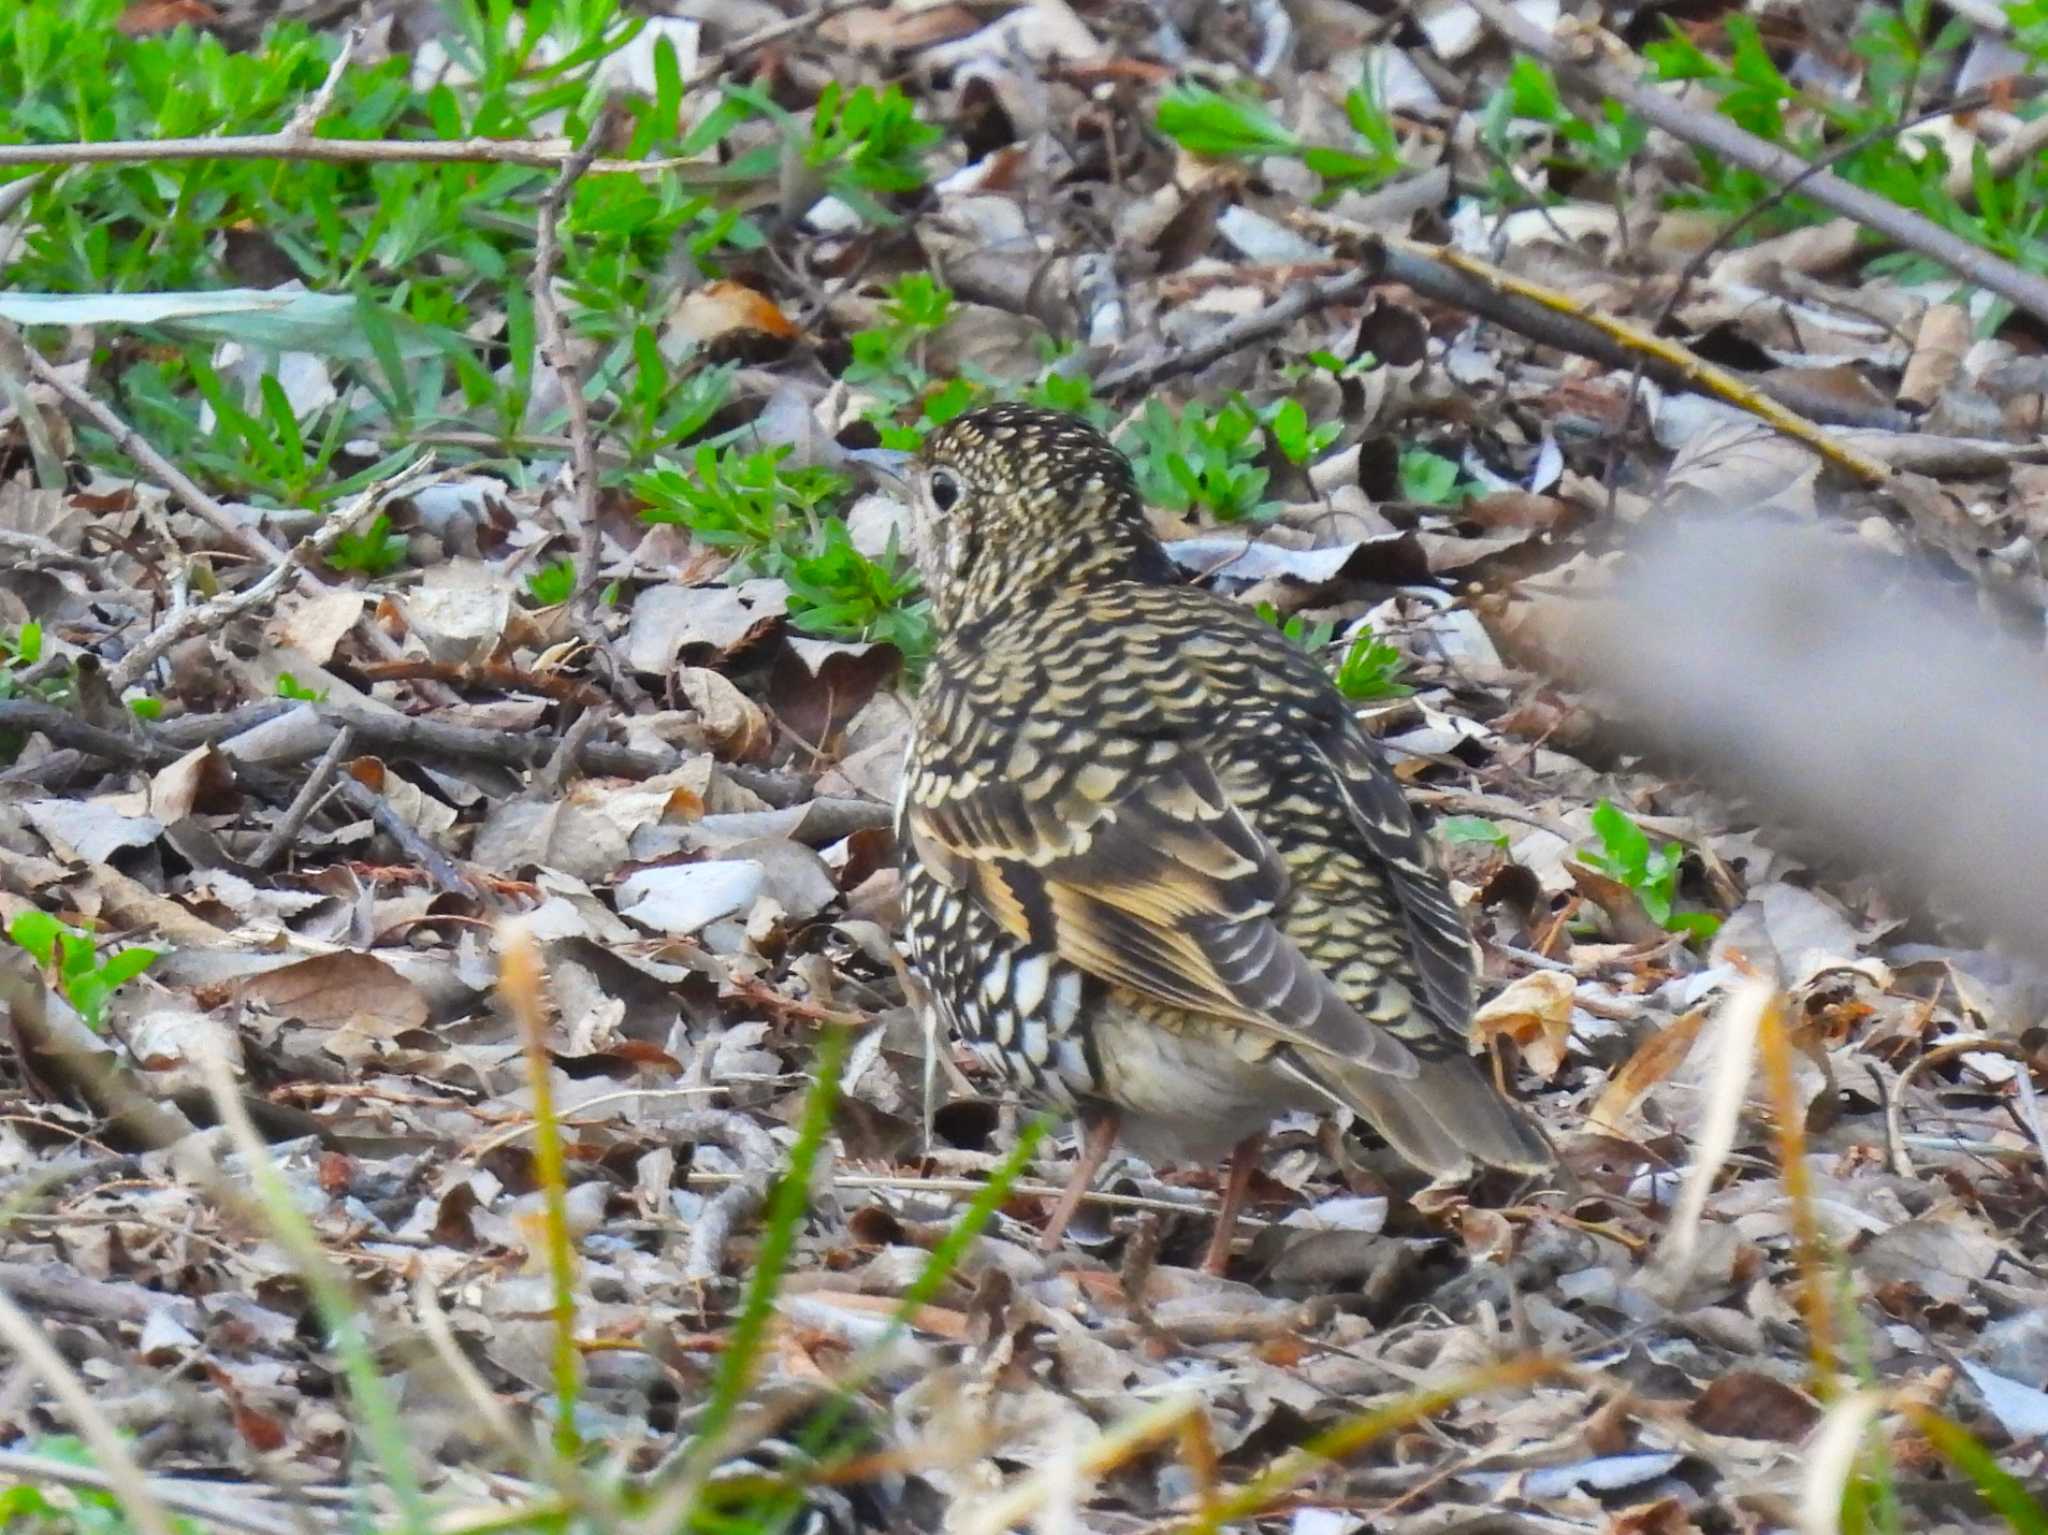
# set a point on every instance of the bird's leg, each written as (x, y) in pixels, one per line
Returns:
(1098, 1135)
(1244, 1161)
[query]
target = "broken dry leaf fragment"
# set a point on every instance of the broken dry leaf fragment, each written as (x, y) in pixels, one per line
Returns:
(1534, 1013)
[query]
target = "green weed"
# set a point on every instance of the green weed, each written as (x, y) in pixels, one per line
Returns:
(1627, 855)
(69, 957)
(553, 584)
(369, 551)
(1371, 669)
(1208, 122)
(771, 517)
(19, 652)
(1202, 459)
(1314, 638)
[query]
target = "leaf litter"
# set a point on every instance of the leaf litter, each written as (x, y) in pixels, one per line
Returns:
(1626, 735)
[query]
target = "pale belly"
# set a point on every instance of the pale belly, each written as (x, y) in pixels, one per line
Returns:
(1187, 1093)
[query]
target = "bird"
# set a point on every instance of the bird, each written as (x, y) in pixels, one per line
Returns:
(1154, 873)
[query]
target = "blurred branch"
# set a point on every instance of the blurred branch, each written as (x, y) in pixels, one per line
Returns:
(1681, 361)
(1595, 65)
(1541, 313)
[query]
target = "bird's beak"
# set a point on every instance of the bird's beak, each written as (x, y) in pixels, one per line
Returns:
(889, 463)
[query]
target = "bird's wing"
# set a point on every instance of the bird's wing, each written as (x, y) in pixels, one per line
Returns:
(1144, 875)
(1440, 944)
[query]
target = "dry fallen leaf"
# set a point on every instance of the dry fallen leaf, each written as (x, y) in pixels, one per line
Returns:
(1534, 1013)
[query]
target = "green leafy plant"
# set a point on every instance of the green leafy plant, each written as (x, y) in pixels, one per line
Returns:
(68, 955)
(871, 144)
(1627, 855)
(433, 256)
(1208, 122)
(888, 363)
(553, 584)
(771, 517)
(1602, 143)
(369, 551)
(737, 500)
(1868, 138)
(1313, 638)
(1430, 478)
(1472, 828)
(1371, 669)
(836, 590)
(289, 686)
(1288, 424)
(1056, 388)
(1201, 459)
(19, 652)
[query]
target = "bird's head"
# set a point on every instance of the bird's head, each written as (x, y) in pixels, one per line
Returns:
(1010, 501)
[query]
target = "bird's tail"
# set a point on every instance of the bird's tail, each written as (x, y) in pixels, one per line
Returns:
(1444, 1118)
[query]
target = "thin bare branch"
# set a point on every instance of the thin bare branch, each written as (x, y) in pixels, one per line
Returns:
(131, 442)
(554, 343)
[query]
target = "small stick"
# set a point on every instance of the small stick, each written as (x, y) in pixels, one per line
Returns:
(316, 106)
(1247, 330)
(280, 836)
(1895, 1104)
(776, 32)
(409, 838)
(295, 142)
(1708, 378)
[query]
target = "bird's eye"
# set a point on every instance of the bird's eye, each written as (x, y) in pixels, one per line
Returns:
(945, 489)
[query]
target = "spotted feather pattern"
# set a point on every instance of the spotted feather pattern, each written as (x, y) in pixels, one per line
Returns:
(1133, 806)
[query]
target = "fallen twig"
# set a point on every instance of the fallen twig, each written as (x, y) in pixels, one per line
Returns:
(311, 792)
(1708, 378)
(136, 446)
(1140, 374)
(410, 839)
(759, 1160)
(294, 141)
(32, 714)
(1948, 1050)
(768, 36)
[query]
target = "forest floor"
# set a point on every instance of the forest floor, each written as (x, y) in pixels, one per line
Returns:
(453, 684)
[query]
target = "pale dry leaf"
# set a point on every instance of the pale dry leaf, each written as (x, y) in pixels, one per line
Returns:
(733, 722)
(1534, 1013)
(680, 899)
(345, 989)
(1653, 1061)
(201, 773)
(91, 830)
(669, 619)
